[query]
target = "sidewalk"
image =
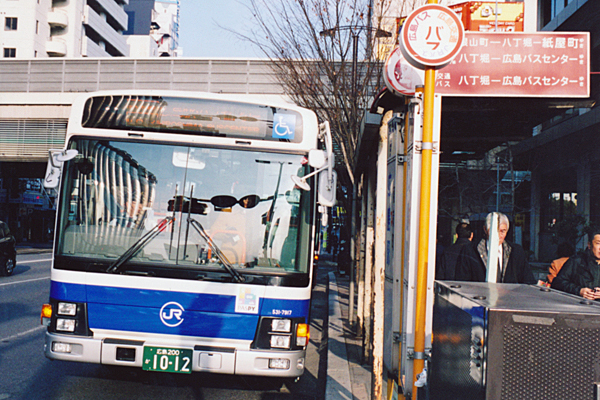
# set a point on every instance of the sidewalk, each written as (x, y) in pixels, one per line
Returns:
(347, 378)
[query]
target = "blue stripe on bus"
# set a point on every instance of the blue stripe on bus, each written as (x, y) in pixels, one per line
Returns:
(193, 323)
(68, 291)
(284, 308)
(206, 315)
(157, 298)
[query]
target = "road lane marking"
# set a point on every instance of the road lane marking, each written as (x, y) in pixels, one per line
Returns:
(18, 335)
(35, 261)
(25, 281)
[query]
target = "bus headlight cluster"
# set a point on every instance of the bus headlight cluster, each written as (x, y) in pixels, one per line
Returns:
(282, 333)
(65, 317)
(68, 310)
(279, 325)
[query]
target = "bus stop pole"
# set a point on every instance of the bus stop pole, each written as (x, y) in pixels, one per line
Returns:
(424, 211)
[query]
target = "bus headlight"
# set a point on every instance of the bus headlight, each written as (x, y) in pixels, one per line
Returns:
(280, 341)
(67, 309)
(65, 325)
(281, 325)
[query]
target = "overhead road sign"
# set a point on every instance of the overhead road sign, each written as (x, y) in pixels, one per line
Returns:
(539, 64)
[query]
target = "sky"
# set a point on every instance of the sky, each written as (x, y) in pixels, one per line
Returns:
(200, 34)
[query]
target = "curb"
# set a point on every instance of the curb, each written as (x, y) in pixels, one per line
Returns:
(338, 384)
(32, 250)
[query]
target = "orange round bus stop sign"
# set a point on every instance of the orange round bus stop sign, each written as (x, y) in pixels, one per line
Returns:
(431, 36)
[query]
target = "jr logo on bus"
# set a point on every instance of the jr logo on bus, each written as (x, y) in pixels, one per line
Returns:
(284, 126)
(171, 314)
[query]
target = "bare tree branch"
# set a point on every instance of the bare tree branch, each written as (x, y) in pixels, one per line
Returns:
(316, 69)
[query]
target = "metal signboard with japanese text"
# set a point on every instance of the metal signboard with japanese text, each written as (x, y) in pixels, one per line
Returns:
(515, 64)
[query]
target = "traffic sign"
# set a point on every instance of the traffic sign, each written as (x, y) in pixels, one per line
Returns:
(399, 76)
(431, 36)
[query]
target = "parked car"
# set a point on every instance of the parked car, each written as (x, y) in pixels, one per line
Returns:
(8, 252)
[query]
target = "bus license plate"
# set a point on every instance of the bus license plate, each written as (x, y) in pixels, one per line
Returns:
(167, 359)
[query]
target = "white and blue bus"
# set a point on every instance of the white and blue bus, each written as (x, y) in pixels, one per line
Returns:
(185, 232)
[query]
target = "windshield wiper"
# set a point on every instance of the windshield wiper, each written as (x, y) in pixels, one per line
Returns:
(226, 264)
(140, 244)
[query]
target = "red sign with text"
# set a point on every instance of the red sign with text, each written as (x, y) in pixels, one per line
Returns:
(515, 64)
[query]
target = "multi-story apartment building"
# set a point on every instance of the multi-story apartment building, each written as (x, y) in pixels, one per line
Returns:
(166, 20)
(59, 28)
(153, 28)
(89, 28)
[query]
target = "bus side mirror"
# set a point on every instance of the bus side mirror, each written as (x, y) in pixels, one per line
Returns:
(55, 162)
(323, 161)
(328, 178)
(326, 188)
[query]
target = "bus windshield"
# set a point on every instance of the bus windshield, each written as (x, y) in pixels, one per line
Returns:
(155, 209)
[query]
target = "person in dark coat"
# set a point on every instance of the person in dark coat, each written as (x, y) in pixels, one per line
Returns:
(447, 265)
(580, 275)
(514, 268)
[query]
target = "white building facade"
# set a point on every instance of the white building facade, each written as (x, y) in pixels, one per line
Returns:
(63, 28)
(166, 17)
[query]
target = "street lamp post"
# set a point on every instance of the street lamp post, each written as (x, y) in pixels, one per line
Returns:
(376, 383)
(355, 32)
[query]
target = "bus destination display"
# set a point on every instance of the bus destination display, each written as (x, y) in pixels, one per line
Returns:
(192, 116)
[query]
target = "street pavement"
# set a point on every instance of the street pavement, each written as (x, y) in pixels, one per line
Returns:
(347, 377)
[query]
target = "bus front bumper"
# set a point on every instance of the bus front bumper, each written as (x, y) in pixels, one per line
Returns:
(223, 360)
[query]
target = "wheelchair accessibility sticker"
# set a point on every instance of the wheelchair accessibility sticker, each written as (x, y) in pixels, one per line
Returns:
(247, 301)
(284, 126)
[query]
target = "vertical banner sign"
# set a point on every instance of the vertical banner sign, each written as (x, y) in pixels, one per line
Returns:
(431, 36)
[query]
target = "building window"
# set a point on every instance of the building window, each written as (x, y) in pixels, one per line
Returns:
(10, 24)
(37, 27)
(9, 52)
